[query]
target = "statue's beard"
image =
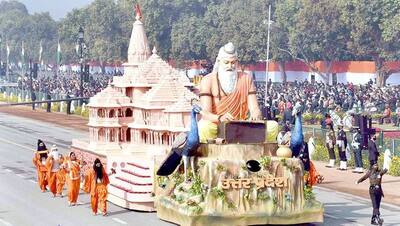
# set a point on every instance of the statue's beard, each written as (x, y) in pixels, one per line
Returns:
(55, 155)
(227, 79)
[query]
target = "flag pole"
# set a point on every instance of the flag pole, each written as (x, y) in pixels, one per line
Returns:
(8, 54)
(57, 58)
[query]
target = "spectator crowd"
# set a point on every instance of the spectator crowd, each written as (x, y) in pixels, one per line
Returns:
(65, 84)
(318, 97)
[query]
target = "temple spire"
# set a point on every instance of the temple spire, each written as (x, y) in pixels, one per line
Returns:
(139, 49)
(138, 12)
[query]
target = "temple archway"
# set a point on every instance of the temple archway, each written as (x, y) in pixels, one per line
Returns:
(128, 135)
(101, 135)
(112, 135)
(144, 137)
(165, 139)
(121, 133)
(100, 113)
(112, 113)
(128, 113)
(120, 113)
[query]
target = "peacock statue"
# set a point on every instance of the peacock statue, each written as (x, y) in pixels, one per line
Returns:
(185, 145)
(297, 137)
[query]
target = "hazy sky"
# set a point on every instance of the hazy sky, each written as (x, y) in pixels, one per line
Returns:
(57, 8)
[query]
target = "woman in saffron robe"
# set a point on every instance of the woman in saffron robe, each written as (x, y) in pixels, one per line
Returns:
(96, 184)
(73, 168)
(61, 177)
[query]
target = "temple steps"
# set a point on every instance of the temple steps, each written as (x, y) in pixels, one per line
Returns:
(129, 194)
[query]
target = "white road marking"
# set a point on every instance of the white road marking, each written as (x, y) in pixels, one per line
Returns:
(8, 170)
(19, 145)
(32, 181)
(5, 222)
(119, 221)
(337, 218)
(20, 175)
(331, 216)
(30, 148)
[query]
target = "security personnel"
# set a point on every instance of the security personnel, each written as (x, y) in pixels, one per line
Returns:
(356, 146)
(373, 151)
(342, 144)
(68, 104)
(330, 142)
(375, 191)
(33, 98)
(48, 97)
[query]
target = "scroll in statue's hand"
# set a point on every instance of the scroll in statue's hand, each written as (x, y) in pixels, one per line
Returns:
(226, 117)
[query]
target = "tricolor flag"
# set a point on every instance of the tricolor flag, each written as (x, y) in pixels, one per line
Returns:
(8, 50)
(22, 56)
(40, 51)
(22, 51)
(58, 53)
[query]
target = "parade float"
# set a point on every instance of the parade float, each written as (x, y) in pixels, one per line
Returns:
(223, 191)
(244, 180)
(134, 119)
(133, 124)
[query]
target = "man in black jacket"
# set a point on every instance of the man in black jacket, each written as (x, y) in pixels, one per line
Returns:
(373, 151)
(48, 97)
(33, 98)
(375, 191)
(68, 104)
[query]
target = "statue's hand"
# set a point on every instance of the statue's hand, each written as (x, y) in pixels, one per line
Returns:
(226, 117)
(255, 116)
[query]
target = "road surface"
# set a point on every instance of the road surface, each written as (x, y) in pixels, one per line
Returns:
(22, 203)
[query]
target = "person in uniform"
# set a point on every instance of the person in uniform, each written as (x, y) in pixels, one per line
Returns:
(373, 151)
(96, 184)
(375, 191)
(342, 145)
(330, 141)
(356, 146)
(39, 161)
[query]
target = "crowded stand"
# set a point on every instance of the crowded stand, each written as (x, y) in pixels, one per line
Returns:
(321, 98)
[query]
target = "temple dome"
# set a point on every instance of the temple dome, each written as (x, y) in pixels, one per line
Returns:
(183, 104)
(156, 68)
(109, 97)
(163, 94)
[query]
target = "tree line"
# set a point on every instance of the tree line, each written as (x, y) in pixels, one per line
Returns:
(304, 30)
